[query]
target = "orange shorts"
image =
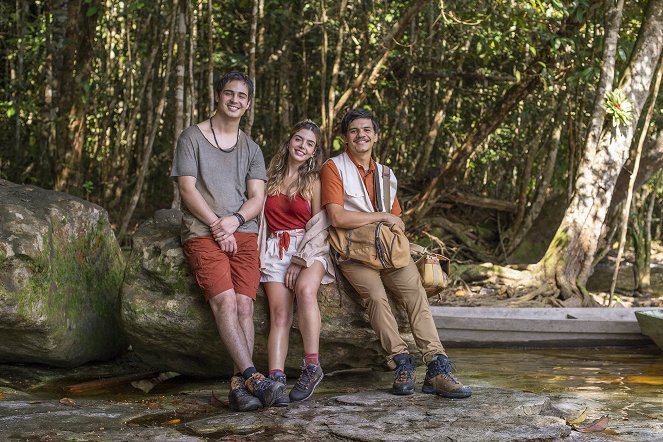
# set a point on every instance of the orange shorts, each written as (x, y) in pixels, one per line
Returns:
(217, 271)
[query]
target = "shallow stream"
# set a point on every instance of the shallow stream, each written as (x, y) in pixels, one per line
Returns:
(624, 383)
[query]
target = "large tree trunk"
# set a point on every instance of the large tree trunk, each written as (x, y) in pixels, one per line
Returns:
(71, 123)
(567, 263)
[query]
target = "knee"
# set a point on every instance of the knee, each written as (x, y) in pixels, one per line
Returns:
(223, 305)
(280, 317)
(306, 293)
(244, 307)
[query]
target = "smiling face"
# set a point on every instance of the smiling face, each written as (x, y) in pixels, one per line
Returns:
(233, 100)
(360, 137)
(302, 145)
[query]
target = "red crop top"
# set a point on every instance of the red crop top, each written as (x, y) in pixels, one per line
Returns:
(283, 213)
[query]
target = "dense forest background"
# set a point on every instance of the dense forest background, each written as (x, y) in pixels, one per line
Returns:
(498, 116)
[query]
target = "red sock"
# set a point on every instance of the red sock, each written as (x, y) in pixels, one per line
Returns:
(311, 359)
(277, 371)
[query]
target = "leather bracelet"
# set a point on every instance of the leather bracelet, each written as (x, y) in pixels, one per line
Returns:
(240, 218)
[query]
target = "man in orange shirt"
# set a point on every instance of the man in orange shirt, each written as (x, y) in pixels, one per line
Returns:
(348, 195)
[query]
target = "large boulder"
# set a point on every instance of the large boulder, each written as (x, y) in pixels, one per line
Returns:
(60, 276)
(171, 327)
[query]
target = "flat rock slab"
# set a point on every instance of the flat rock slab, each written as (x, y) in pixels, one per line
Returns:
(78, 420)
(491, 414)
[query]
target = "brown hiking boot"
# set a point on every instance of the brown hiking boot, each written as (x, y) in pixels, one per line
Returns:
(239, 398)
(439, 380)
(405, 374)
(264, 389)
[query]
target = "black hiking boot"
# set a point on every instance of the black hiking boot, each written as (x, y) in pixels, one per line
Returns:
(309, 379)
(283, 400)
(405, 374)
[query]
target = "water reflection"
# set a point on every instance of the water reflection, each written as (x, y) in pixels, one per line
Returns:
(623, 380)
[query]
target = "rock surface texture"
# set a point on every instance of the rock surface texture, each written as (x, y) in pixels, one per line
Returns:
(60, 276)
(170, 326)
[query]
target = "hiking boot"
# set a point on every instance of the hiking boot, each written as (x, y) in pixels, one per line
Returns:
(405, 374)
(283, 400)
(264, 389)
(239, 398)
(309, 379)
(439, 380)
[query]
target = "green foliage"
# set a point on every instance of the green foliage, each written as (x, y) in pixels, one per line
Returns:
(455, 58)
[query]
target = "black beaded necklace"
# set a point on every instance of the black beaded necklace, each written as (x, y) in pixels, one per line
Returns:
(217, 143)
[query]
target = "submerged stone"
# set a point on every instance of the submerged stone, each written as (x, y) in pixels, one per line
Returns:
(60, 274)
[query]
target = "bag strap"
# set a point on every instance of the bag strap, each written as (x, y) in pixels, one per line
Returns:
(386, 172)
(416, 248)
(379, 204)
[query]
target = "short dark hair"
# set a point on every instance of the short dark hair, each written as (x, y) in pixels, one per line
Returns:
(231, 76)
(356, 114)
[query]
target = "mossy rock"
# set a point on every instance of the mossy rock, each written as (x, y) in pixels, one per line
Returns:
(61, 270)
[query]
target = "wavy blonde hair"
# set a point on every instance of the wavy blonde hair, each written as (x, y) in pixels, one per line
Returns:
(307, 173)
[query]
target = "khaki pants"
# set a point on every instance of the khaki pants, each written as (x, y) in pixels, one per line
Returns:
(405, 286)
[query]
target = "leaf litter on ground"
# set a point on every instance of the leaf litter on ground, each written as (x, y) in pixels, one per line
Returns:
(595, 426)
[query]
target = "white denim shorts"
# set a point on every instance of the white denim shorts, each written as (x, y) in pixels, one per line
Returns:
(274, 267)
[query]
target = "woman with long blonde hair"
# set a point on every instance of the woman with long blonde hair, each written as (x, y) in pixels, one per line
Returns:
(295, 255)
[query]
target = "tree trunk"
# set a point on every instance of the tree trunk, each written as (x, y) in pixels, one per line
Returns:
(567, 263)
(641, 237)
(328, 129)
(210, 54)
(613, 22)
(543, 191)
(179, 87)
(152, 128)
(72, 108)
(631, 184)
(371, 71)
(252, 65)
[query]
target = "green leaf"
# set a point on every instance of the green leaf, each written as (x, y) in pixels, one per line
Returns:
(91, 11)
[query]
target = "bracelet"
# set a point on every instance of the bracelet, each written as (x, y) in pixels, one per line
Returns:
(240, 218)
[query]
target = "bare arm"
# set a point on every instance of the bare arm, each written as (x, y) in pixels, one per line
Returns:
(348, 219)
(255, 190)
(315, 199)
(194, 201)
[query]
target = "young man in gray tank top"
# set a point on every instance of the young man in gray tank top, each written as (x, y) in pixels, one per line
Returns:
(221, 176)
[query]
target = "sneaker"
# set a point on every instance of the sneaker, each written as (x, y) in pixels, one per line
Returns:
(264, 389)
(239, 398)
(283, 400)
(439, 380)
(309, 379)
(405, 374)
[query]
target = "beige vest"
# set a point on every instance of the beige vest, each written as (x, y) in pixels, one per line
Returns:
(355, 195)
